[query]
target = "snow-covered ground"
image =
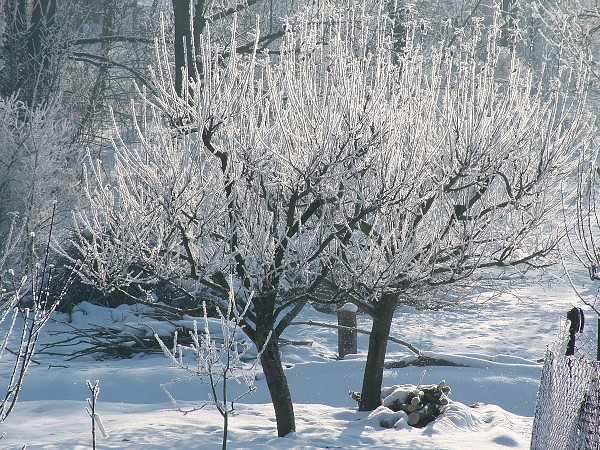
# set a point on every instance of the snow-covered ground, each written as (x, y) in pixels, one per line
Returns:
(503, 341)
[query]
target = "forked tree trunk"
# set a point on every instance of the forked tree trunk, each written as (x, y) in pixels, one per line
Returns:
(278, 387)
(370, 397)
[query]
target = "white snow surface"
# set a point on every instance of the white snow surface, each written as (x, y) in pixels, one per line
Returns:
(502, 340)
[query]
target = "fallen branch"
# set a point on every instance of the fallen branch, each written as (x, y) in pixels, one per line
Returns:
(408, 345)
(12, 352)
(422, 361)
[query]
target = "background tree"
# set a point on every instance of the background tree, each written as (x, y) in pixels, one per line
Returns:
(33, 169)
(28, 50)
(575, 28)
(34, 133)
(111, 50)
(44, 125)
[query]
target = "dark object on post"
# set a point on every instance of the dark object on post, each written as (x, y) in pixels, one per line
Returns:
(577, 319)
(347, 334)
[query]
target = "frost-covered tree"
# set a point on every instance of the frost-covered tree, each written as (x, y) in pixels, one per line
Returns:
(574, 28)
(480, 161)
(577, 25)
(583, 238)
(243, 175)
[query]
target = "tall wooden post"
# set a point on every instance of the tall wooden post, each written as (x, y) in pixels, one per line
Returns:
(347, 337)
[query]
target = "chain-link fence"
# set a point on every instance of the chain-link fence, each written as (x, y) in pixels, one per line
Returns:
(567, 414)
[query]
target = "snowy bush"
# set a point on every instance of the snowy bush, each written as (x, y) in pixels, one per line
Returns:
(143, 288)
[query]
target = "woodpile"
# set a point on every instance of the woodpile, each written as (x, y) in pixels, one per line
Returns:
(421, 403)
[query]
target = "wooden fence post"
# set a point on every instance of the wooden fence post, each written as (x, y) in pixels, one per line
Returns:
(347, 334)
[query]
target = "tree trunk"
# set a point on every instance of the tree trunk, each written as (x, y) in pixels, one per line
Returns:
(507, 11)
(27, 47)
(396, 14)
(184, 55)
(278, 387)
(370, 397)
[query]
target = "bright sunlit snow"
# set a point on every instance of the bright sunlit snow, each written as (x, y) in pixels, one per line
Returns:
(502, 341)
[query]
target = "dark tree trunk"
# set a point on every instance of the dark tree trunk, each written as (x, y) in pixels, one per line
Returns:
(370, 397)
(184, 56)
(189, 24)
(28, 50)
(40, 47)
(396, 13)
(278, 387)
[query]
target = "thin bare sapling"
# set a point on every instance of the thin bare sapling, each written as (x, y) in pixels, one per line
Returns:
(91, 410)
(220, 351)
(26, 306)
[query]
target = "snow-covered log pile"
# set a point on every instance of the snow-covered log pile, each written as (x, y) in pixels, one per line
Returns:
(421, 403)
